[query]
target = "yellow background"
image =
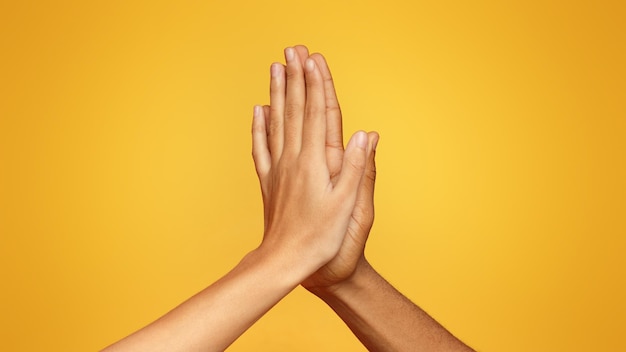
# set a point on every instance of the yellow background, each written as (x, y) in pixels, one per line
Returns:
(126, 182)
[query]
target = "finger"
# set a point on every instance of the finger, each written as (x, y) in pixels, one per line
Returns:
(265, 181)
(260, 151)
(294, 102)
(334, 130)
(314, 129)
(266, 114)
(352, 169)
(277, 109)
(303, 52)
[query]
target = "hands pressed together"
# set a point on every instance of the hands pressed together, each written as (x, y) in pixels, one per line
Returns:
(318, 198)
(318, 203)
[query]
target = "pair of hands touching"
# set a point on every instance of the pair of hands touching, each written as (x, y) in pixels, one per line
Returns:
(318, 211)
(318, 198)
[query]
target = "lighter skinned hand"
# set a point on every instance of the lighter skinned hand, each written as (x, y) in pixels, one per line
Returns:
(342, 265)
(308, 205)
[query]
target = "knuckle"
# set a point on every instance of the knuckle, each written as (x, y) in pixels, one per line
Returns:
(275, 127)
(335, 146)
(258, 128)
(312, 80)
(293, 73)
(292, 110)
(275, 124)
(315, 110)
(330, 109)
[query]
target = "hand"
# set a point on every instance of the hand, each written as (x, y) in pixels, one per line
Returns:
(351, 253)
(308, 204)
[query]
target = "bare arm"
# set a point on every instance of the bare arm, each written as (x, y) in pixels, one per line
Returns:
(212, 319)
(382, 318)
(306, 219)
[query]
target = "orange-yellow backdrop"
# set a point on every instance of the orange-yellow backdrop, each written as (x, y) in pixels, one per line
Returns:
(126, 182)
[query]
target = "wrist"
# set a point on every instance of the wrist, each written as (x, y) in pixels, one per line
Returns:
(356, 281)
(282, 261)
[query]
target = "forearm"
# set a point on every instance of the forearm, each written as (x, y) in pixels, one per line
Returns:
(212, 319)
(382, 318)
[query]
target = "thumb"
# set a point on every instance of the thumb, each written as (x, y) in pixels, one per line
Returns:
(363, 213)
(354, 162)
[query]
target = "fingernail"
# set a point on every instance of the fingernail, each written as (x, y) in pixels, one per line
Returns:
(275, 70)
(257, 110)
(309, 65)
(361, 139)
(289, 54)
(375, 142)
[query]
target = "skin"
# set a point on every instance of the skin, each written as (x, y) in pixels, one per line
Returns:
(318, 206)
(378, 314)
(308, 209)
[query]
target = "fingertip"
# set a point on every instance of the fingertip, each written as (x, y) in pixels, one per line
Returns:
(317, 56)
(320, 60)
(303, 51)
(276, 69)
(258, 118)
(360, 139)
(374, 137)
(290, 54)
(309, 65)
(301, 47)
